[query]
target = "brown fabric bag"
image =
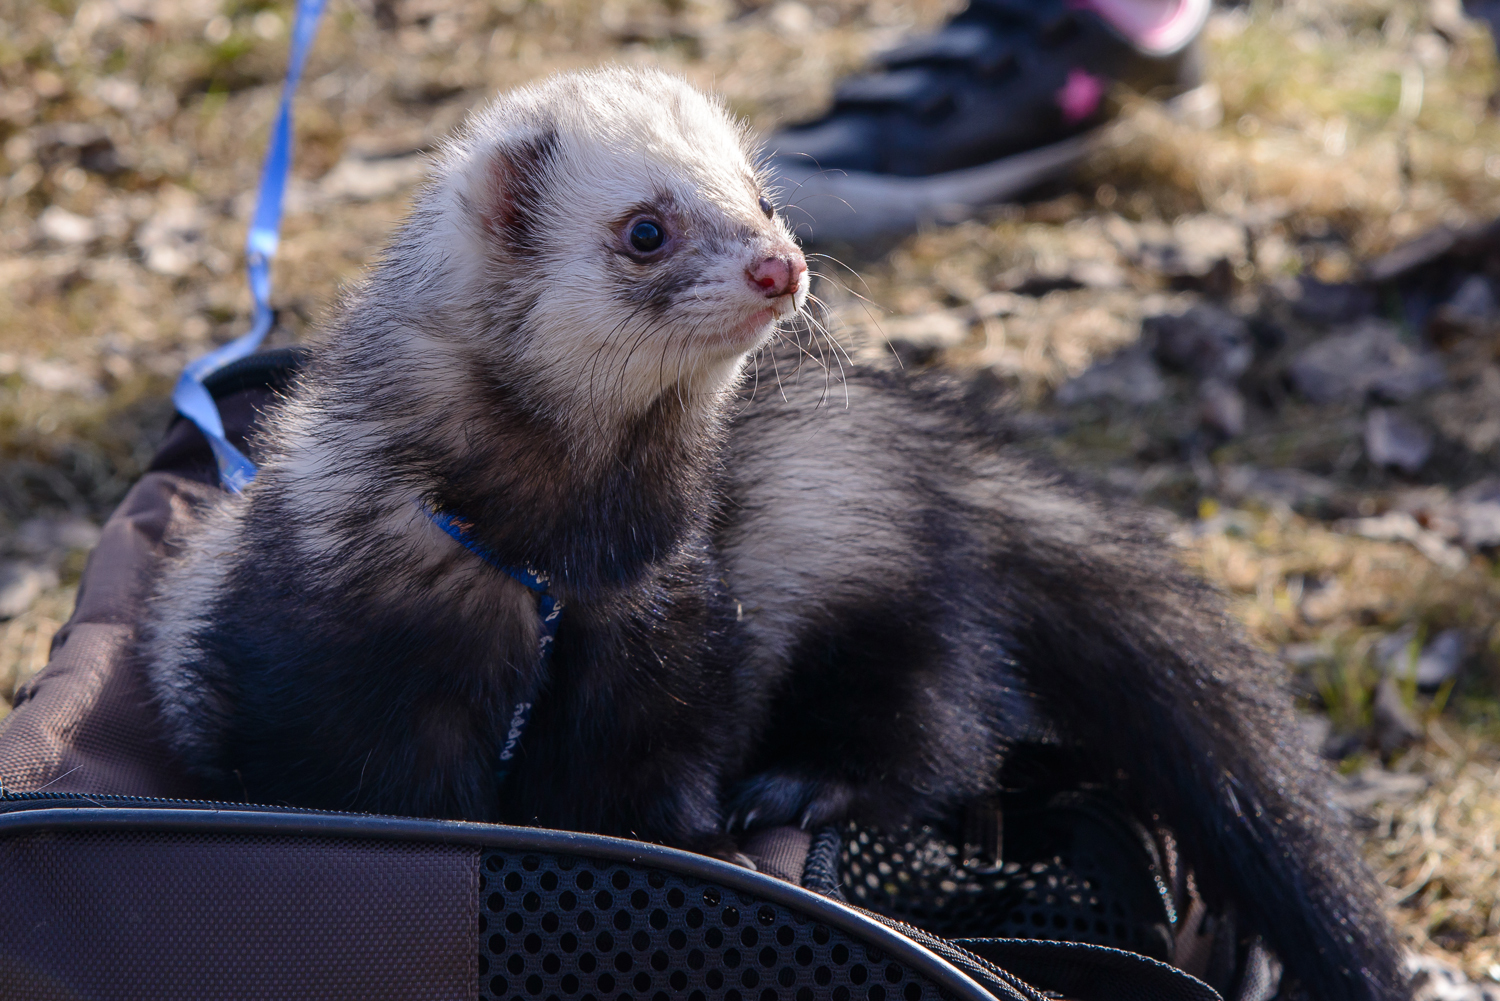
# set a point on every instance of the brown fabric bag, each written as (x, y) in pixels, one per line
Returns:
(85, 722)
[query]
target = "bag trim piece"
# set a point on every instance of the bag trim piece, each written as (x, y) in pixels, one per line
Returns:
(274, 369)
(24, 819)
(1085, 971)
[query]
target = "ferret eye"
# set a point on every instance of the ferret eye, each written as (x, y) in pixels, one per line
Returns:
(647, 235)
(767, 207)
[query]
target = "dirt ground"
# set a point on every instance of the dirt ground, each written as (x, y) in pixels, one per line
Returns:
(1223, 313)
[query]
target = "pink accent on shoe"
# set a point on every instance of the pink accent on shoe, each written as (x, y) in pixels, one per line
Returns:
(1156, 27)
(1080, 96)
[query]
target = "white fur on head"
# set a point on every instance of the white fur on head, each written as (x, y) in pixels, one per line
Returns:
(540, 188)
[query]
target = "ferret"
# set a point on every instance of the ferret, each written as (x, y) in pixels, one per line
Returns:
(757, 605)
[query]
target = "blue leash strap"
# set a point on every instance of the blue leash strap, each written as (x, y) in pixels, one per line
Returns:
(549, 609)
(190, 397)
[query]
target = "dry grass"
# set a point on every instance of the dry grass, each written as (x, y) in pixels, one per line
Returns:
(1435, 852)
(25, 640)
(1437, 855)
(1348, 126)
(1294, 581)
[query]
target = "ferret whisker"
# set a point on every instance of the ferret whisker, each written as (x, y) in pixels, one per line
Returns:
(803, 351)
(610, 344)
(661, 369)
(835, 260)
(588, 375)
(823, 194)
(795, 338)
(749, 399)
(815, 343)
(685, 342)
(868, 305)
(824, 339)
(763, 172)
(635, 345)
(827, 375)
(820, 360)
(825, 329)
(776, 367)
(822, 171)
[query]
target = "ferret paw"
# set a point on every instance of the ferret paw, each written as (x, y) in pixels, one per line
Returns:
(776, 799)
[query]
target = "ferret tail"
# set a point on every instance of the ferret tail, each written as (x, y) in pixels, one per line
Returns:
(1140, 666)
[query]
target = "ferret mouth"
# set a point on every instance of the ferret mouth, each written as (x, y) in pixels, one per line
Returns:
(744, 335)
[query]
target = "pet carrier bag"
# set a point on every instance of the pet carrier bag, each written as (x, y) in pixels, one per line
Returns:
(119, 883)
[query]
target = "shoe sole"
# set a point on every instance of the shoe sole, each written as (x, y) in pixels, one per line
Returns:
(826, 206)
(838, 206)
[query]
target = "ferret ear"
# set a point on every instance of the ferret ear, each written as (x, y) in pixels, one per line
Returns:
(511, 192)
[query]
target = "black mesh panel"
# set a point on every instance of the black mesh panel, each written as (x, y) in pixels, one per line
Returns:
(1080, 889)
(557, 928)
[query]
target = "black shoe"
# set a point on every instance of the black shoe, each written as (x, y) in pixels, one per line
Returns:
(988, 106)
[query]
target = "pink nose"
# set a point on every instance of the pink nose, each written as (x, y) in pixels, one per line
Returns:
(777, 276)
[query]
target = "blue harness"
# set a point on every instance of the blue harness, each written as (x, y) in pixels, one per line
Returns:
(193, 400)
(548, 607)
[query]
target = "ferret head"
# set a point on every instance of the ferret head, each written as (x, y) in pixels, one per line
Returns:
(616, 240)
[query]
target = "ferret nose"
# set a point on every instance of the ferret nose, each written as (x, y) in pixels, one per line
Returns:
(777, 276)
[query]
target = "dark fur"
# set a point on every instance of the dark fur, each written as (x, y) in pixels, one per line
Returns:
(898, 702)
(958, 604)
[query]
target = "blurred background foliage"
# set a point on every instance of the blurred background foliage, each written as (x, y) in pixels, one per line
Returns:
(1268, 309)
